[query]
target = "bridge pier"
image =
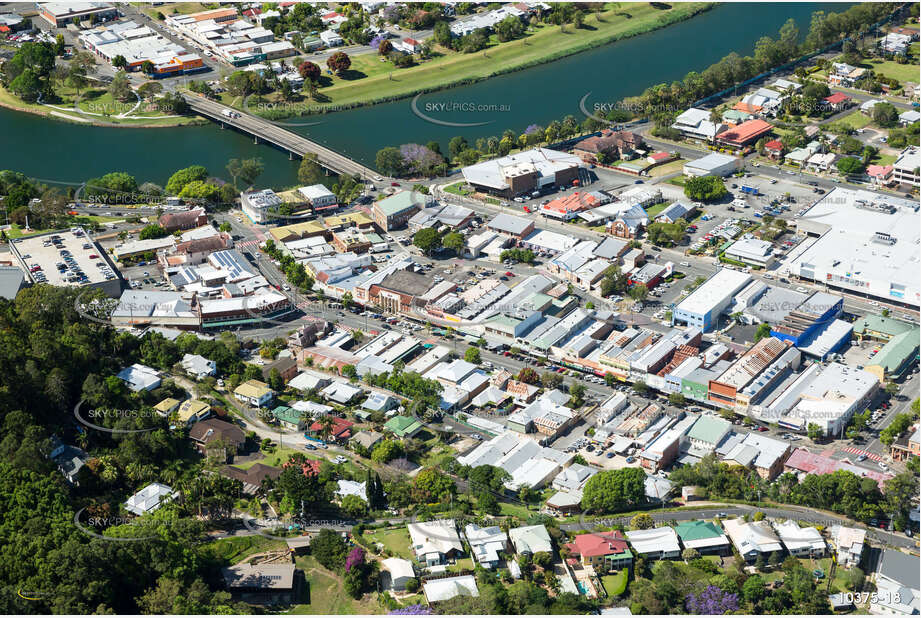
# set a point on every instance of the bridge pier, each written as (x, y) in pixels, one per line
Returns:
(290, 156)
(255, 139)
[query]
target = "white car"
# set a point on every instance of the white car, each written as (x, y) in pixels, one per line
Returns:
(286, 287)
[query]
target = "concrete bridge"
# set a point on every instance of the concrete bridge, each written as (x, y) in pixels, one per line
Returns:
(268, 132)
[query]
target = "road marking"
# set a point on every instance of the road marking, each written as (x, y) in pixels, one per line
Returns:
(857, 451)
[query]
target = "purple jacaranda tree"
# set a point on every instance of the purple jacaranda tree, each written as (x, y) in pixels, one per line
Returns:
(376, 41)
(420, 159)
(532, 128)
(355, 558)
(413, 610)
(712, 601)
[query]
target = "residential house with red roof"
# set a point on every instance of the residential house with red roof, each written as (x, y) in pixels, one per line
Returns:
(340, 430)
(880, 175)
(597, 549)
(613, 145)
(569, 206)
(774, 150)
(744, 134)
(837, 101)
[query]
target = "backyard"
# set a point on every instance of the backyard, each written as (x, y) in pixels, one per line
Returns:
(395, 541)
(615, 584)
(326, 594)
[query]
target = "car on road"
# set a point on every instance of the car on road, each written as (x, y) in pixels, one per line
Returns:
(861, 458)
(310, 447)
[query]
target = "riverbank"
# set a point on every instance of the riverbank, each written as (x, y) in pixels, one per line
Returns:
(59, 113)
(383, 84)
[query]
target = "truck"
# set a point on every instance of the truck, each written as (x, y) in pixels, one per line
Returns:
(750, 190)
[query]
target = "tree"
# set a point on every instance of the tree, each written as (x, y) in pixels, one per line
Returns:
(149, 90)
(152, 231)
(639, 387)
(885, 115)
(339, 62)
(454, 241)
(329, 548)
(354, 506)
(763, 330)
(753, 588)
(432, 485)
(246, 170)
(551, 380)
(309, 71)
(428, 240)
(386, 451)
(576, 395)
(642, 521)
(528, 375)
(610, 491)
(705, 188)
(849, 166)
(183, 177)
(148, 68)
(310, 172)
(27, 86)
(119, 62)
(814, 432)
(690, 554)
(472, 355)
(390, 161)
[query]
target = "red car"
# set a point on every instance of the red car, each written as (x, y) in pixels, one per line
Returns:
(509, 273)
(394, 184)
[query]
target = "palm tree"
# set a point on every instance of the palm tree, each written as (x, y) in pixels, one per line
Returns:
(326, 423)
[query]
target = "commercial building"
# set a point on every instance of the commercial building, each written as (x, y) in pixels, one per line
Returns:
(866, 245)
(524, 172)
(138, 45)
(526, 461)
(394, 212)
(703, 306)
(713, 164)
(905, 168)
(60, 14)
(751, 251)
(260, 206)
(319, 197)
(765, 455)
(68, 258)
(510, 225)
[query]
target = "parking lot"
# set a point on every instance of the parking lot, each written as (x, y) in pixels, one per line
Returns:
(64, 258)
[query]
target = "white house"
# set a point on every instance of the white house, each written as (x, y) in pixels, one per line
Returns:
(395, 572)
(435, 541)
(150, 499)
(528, 540)
(695, 123)
(198, 366)
(655, 543)
(486, 544)
(331, 38)
(848, 544)
(752, 539)
(800, 541)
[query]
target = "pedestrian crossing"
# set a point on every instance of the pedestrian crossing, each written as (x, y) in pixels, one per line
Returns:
(248, 243)
(857, 451)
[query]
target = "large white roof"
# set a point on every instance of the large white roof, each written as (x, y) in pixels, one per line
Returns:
(725, 283)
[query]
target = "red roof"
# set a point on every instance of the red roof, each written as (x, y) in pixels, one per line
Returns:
(746, 132)
(774, 144)
(311, 467)
(879, 170)
(598, 544)
(574, 202)
(838, 97)
(340, 428)
(411, 41)
(811, 463)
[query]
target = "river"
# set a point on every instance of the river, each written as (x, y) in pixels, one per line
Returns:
(60, 151)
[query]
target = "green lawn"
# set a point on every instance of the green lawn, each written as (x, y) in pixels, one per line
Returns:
(280, 456)
(463, 564)
(884, 159)
(457, 189)
(369, 80)
(616, 584)
(655, 209)
(856, 120)
(327, 595)
(517, 509)
(234, 549)
(396, 541)
(889, 68)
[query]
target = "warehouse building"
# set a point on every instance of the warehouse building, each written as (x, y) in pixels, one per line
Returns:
(867, 244)
(524, 172)
(713, 164)
(704, 305)
(59, 14)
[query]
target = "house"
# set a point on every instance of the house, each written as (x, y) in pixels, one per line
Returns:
(848, 544)
(774, 149)
(434, 542)
(261, 584)
(403, 426)
(214, 435)
(69, 460)
(140, 377)
(395, 572)
(752, 539)
(675, 211)
(837, 102)
(449, 587)
(198, 366)
(339, 431)
(379, 402)
(895, 43)
(286, 367)
(573, 477)
(150, 499)
(253, 477)
(528, 540)
(407, 46)
(309, 381)
(843, 74)
(186, 220)
(704, 536)
(167, 406)
(880, 175)
(254, 393)
(655, 543)
(744, 134)
(610, 145)
(910, 117)
(193, 410)
(600, 549)
(340, 392)
(897, 588)
(351, 488)
(367, 439)
(695, 123)
(486, 544)
(800, 541)
(765, 455)
(331, 38)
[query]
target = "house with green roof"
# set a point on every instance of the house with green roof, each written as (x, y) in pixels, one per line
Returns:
(708, 432)
(895, 356)
(403, 426)
(289, 417)
(704, 536)
(393, 212)
(880, 328)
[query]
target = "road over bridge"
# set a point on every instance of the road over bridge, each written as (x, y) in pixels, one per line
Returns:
(271, 133)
